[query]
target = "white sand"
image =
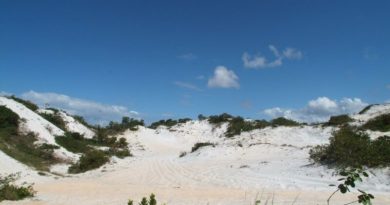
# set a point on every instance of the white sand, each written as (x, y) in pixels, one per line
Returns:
(271, 164)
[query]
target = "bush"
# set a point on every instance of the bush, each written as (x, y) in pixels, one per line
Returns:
(26, 103)
(339, 120)
(379, 123)
(10, 191)
(218, 119)
(351, 148)
(366, 109)
(92, 159)
(8, 119)
(168, 123)
(238, 125)
(281, 121)
(55, 119)
(201, 144)
(152, 201)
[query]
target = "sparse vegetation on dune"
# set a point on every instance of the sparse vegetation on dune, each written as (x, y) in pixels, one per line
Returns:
(349, 147)
(168, 123)
(26, 103)
(92, 159)
(54, 118)
(198, 145)
(339, 120)
(22, 147)
(10, 191)
(281, 121)
(239, 124)
(380, 123)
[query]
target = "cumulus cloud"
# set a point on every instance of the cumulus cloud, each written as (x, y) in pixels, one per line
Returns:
(223, 78)
(318, 110)
(260, 61)
(93, 112)
(187, 85)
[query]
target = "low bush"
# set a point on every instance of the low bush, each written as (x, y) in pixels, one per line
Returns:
(55, 118)
(26, 103)
(281, 121)
(168, 123)
(339, 120)
(379, 123)
(349, 147)
(238, 125)
(90, 160)
(10, 191)
(152, 201)
(218, 119)
(201, 144)
(366, 109)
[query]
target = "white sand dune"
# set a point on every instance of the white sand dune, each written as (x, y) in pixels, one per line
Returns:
(271, 164)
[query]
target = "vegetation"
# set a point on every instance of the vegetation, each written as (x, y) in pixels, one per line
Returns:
(339, 120)
(349, 179)
(54, 118)
(152, 201)
(349, 147)
(379, 123)
(366, 109)
(168, 123)
(218, 119)
(26, 103)
(92, 159)
(10, 191)
(238, 125)
(115, 128)
(201, 144)
(22, 147)
(281, 121)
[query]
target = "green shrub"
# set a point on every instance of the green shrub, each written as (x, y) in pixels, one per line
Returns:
(281, 121)
(201, 144)
(55, 119)
(339, 120)
(366, 109)
(349, 147)
(26, 103)
(10, 191)
(8, 119)
(218, 119)
(90, 160)
(379, 123)
(152, 201)
(73, 142)
(238, 125)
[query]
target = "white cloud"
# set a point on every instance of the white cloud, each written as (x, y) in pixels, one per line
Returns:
(187, 85)
(319, 110)
(188, 56)
(223, 78)
(260, 61)
(93, 112)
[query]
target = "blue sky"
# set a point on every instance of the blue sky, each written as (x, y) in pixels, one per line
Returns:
(182, 58)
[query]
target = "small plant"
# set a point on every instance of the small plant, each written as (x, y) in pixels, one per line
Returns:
(10, 191)
(349, 179)
(339, 120)
(90, 160)
(182, 154)
(281, 121)
(152, 201)
(201, 144)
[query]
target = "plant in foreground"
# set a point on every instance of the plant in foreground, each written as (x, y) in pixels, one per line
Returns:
(152, 201)
(349, 179)
(10, 191)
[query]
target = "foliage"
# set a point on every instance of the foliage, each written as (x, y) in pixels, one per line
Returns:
(10, 191)
(152, 201)
(115, 128)
(349, 147)
(349, 179)
(218, 119)
(201, 117)
(281, 121)
(366, 109)
(379, 123)
(91, 159)
(238, 125)
(26, 103)
(55, 119)
(201, 144)
(339, 120)
(8, 119)
(168, 123)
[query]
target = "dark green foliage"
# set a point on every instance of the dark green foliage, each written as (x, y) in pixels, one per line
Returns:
(351, 148)
(366, 109)
(379, 123)
(168, 123)
(8, 119)
(55, 119)
(10, 191)
(201, 117)
(281, 121)
(81, 120)
(349, 179)
(339, 120)
(115, 128)
(91, 159)
(26, 103)
(238, 125)
(201, 144)
(152, 201)
(218, 119)
(74, 142)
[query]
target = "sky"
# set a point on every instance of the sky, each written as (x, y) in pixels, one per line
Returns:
(305, 60)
